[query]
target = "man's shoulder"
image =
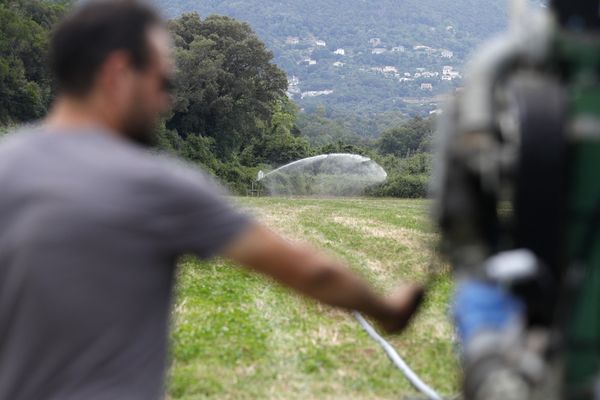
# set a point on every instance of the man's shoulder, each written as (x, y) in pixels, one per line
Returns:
(18, 135)
(107, 155)
(17, 140)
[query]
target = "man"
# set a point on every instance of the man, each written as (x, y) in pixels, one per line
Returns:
(91, 224)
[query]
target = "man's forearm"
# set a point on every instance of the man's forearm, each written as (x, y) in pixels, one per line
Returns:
(336, 285)
(316, 275)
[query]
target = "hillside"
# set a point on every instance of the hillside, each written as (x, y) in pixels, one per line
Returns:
(364, 56)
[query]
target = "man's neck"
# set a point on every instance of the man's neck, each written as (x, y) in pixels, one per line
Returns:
(75, 114)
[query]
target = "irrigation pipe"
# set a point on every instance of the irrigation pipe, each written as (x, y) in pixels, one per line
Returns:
(397, 360)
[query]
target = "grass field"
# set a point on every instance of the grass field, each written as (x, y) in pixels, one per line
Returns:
(239, 336)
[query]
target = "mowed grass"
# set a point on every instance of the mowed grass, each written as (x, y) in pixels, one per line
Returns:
(240, 336)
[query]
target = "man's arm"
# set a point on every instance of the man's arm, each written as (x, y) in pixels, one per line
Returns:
(318, 276)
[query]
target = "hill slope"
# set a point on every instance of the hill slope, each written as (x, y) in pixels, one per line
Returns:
(364, 55)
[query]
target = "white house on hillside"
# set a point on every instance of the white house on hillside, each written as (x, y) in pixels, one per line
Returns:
(422, 48)
(320, 43)
(316, 93)
(447, 54)
(340, 52)
(375, 42)
(448, 73)
(308, 61)
(293, 81)
(430, 74)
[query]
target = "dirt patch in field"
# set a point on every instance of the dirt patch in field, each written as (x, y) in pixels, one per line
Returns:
(411, 238)
(282, 219)
(416, 258)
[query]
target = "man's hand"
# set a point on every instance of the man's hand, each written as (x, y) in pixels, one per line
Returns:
(403, 304)
(318, 276)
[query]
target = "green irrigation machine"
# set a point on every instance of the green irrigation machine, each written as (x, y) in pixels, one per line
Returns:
(517, 188)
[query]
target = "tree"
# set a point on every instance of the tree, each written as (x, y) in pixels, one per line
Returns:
(25, 84)
(226, 82)
(280, 143)
(407, 139)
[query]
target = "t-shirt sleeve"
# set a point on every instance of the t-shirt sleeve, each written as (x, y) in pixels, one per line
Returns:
(197, 217)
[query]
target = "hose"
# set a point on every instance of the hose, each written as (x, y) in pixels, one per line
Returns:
(397, 360)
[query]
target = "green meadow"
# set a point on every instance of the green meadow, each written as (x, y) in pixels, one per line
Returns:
(240, 336)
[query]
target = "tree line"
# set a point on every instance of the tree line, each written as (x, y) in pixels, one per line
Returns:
(231, 114)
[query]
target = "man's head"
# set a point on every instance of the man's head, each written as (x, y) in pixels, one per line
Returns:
(116, 55)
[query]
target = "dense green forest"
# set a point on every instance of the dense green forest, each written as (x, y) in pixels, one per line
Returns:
(25, 85)
(231, 113)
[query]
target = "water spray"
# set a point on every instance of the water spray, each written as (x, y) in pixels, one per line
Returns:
(336, 174)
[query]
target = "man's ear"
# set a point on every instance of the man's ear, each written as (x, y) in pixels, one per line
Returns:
(114, 74)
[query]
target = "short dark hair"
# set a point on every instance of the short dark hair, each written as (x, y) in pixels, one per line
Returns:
(82, 42)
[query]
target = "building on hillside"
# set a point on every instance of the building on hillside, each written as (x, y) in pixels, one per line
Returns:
(378, 50)
(426, 86)
(293, 86)
(293, 90)
(398, 49)
(308, 61)
(338, 64)
(292, 40)
(407, 74)
(293, 80)
(316, 93)
(424, 49)
(388, 69)
(375, 42)
(455, 75)
(448, 73)
(320, 43)
(430, 74)
(340, 52)
(447, 53)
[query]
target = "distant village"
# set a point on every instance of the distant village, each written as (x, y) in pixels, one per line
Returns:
(424, 77)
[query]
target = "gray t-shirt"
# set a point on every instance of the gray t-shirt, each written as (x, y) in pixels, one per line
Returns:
(90, 227)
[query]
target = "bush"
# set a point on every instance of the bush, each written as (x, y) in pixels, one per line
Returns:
(403, 186)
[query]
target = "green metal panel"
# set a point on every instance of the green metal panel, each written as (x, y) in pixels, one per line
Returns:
(578, 60)
(583, 336)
